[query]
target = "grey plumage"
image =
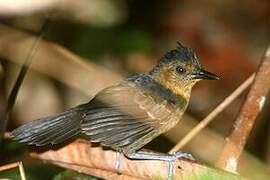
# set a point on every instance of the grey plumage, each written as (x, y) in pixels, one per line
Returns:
(128, 115)
(51, 130)
(117, 117)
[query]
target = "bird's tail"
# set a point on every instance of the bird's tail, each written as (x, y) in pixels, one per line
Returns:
(50, 130)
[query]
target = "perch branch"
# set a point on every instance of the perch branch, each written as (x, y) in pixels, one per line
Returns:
(251, 108)
(213, 114)
(83, 157)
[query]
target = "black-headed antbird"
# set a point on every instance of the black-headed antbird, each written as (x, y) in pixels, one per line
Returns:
(130, 114)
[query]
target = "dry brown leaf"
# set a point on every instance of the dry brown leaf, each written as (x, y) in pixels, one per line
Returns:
(83, 157)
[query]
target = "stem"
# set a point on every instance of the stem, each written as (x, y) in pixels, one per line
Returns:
(251, 108)
(210, 117)
(18, 83)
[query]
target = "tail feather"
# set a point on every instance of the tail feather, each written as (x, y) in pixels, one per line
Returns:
(50, 130)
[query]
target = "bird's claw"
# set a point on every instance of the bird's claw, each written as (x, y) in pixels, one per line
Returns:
(173, 157)
(179, 154)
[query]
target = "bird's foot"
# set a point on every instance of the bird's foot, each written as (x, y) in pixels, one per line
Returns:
(117, 162)
(168, 158)
(173, 157)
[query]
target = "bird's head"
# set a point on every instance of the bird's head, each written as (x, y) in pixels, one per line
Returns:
(179, 70)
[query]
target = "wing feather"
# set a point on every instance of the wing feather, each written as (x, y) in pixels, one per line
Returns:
(124, 114)
(50, 130)
(126, 137)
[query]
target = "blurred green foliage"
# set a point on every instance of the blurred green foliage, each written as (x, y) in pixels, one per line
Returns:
(92, 43)
(34, 171)
(72, 175)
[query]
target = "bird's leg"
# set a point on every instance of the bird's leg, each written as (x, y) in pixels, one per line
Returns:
(117, 162)
(170, 158)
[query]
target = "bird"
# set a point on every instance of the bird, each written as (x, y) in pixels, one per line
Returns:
(128, 115)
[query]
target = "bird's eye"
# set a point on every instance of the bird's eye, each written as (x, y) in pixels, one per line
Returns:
(180, 70)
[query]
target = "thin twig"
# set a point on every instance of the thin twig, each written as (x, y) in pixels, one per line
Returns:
(19, 81)
(213, 114)
(22, 172)
(8, 166)
(209, 143)
(251, 108)
(14, 165)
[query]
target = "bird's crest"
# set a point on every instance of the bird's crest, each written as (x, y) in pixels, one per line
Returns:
(181, 53)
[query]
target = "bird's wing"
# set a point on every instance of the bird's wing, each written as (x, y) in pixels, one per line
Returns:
(121, 115)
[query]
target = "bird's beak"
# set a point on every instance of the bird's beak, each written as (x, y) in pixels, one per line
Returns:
(203, 74)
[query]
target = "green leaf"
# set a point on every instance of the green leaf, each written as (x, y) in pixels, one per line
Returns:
(73, 175)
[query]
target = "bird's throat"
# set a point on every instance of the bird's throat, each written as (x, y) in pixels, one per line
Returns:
(180, 89)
